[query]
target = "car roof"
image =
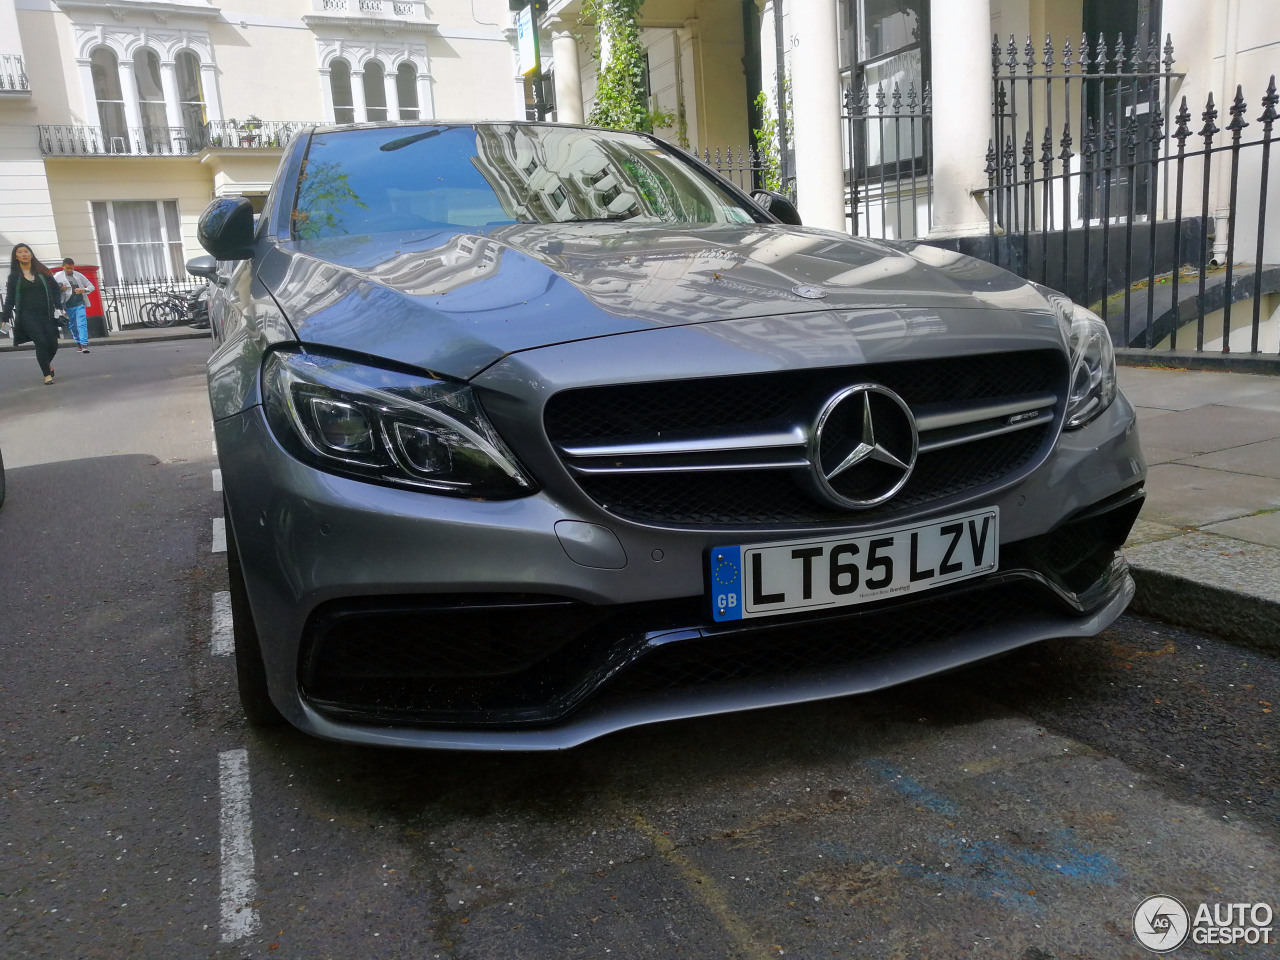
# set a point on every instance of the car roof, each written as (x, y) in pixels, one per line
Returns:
(393, 124)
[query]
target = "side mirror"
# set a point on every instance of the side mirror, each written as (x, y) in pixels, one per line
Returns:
(226, 228)
(778, 205)
(205, 267)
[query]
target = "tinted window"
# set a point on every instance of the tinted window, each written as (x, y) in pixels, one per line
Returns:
(408, 178)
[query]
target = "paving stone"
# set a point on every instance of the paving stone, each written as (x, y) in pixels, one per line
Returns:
(1208, 429)
(1260, 459)
(1260, 528)
(1186, 389)
(1186, 496)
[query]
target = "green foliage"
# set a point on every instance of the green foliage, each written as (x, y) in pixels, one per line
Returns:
(620, 95)
(766, 135)
(767, 144)
(323, 196)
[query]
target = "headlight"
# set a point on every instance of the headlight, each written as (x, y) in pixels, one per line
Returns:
(1093, 363)
(388, 427)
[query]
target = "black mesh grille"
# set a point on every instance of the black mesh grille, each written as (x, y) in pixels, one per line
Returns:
(631, 412)
(645, 412)
(787, 651)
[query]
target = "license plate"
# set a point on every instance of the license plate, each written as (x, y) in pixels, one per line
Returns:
(765, 579)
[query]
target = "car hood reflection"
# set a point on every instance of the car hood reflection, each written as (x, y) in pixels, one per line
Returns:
(455, 301)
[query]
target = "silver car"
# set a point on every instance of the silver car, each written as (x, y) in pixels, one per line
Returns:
(530, 433)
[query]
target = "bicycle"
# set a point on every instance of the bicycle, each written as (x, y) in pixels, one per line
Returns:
(166, 311)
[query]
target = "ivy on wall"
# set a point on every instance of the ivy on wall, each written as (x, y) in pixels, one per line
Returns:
(620, 93)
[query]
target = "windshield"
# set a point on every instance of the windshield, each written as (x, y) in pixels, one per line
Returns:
(426, 177)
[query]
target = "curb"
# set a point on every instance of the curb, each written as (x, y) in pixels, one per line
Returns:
(1245, 620)
(1264, 363)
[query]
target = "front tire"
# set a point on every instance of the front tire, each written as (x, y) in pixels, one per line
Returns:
(251, 673)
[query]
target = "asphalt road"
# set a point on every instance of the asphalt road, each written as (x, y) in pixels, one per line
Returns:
(1019, 809)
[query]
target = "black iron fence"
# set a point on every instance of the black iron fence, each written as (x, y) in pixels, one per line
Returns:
(13, 74)
(888, 140)
(131, 304)
(750, 168)
(1120, 211)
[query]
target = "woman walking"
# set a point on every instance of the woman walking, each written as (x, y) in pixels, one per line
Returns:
(30, 299)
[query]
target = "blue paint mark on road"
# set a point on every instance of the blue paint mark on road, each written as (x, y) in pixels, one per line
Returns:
(908, 787)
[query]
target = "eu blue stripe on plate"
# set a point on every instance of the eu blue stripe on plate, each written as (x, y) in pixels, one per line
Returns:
(726, 583)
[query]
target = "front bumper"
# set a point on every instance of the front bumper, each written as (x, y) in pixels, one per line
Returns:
(327, 560)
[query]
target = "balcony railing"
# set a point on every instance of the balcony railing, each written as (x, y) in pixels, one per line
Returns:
(250, 135)
(84, 140)
(13, 74)
(397, 9)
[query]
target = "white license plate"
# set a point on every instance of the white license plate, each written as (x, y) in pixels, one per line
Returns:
(764, 579)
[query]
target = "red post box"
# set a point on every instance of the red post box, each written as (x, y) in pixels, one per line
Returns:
(94, 315)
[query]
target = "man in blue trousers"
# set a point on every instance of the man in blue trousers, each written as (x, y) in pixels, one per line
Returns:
(75, 292)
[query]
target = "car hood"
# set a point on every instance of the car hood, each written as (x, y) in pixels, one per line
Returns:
(455, 301)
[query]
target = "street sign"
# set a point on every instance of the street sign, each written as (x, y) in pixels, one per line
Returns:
(527, 41)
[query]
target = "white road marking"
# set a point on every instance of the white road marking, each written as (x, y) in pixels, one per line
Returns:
(217, 481)
(239, 915)
(219, 535)
(214, 444)
(223, 643)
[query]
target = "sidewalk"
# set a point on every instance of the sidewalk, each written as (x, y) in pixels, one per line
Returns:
(119, 337)
(1205, 551)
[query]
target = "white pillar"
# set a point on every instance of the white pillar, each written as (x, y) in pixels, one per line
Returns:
(357, 96)
(392, 94)
(426, 98)
(169, 84)
(568, 77)
(960, 35)
(90, 95)
(209, 89)
(326, 94)
(815, 85)
(132, 109)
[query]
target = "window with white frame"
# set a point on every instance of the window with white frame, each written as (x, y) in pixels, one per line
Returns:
(138, 240)
(110, 98)
(407, 91)
(190, 94)
(344, 110)
(155, 119)
(375, 91)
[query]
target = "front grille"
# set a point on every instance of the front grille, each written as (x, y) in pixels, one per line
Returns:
(663, 453)
(473, 662)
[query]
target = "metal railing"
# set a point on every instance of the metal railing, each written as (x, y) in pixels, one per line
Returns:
(13, 74)
(126, 302)
(750, 169)
(246, 135)
(84, 140)
(889, 160)
(1123, 222)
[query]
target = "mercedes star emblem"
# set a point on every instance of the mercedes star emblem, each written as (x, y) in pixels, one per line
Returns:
(809, 291)
(863, 447)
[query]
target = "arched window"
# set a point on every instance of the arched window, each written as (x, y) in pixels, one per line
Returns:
(375, 91)
(155, 123)
(106, 90)
(407, 89)
(344, 110)
(190, 95)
